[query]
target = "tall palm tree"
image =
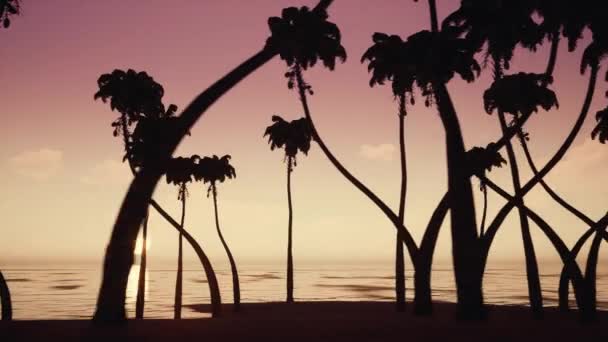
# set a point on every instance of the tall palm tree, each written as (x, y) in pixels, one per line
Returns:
(292, 136)
(519, 95)
(136, 96)
(119, 252)
(8, 8)
(213, 170)
(386, 57)
(180, 172)
(502, 26)
(300, 51)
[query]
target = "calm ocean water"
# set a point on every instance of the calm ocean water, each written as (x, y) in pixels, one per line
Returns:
(69, 292)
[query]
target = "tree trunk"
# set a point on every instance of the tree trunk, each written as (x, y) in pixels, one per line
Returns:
(399, 257)
(119, 252)
(236, 286)
(591, 274)
(465, 244)
(534, 288)
(289, 234)
(408, 240)
(177, 308)
(141, 284)
(560, 247)
(502, 214)
(214, 289)
(5, 300)
(423, 304)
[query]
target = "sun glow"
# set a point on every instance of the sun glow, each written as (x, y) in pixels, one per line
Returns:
(140, 243)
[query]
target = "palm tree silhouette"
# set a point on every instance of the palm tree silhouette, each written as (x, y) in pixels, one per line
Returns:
(135, 96)
(292, 136)
(8, 8)
(119, 252)
(180, 172)
(324, 43)
(213, 170)
(435, 57)
(386, 57)
(138, 99)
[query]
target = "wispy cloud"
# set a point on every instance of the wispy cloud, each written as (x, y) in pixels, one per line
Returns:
(382, 152)
(39, 165)
(108, 171)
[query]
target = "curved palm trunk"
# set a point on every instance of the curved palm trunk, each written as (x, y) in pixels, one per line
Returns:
(408, 240)
(484, 213)
(143, 264)
(214, 289)
(5, 300)
(423, 304)
(119, 252)
(591, 273)
(582, 297)
(289, 234)
(236, 287)
(534, 288)
(498, 220)
(399, 257)
(177, 307)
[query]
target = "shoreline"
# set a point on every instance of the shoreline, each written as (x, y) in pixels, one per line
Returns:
(322, 321)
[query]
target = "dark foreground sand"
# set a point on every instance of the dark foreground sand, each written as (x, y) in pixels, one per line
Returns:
(324, 321)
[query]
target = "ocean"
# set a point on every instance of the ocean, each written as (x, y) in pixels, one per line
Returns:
(69, 291)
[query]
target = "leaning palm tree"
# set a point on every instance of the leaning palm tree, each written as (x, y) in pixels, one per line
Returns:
(138, 99)
(292, 136)
(215, 170)
(180, 172)
(119, 252)
(8, 8)
(136, 96)
(386, 57)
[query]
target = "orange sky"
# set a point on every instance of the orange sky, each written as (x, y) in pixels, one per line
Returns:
(62, 178)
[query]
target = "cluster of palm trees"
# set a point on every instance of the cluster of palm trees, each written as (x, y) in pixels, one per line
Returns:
(427, 61)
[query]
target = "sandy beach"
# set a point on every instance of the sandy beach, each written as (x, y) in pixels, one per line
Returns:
(323, 321)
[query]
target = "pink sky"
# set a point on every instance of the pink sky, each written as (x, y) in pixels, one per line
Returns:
(62, 179)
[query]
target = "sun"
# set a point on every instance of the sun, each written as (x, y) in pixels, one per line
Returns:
(140, 243)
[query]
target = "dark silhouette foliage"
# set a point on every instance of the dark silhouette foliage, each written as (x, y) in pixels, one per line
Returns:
(519, 94)
(601, 130)
(293, 136)
(8, 8)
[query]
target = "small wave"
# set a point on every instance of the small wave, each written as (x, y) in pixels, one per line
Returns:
(263, 276)
(18, 280)
(359, 288)
(66, 287)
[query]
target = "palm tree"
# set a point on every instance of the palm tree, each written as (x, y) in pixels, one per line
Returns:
(138, 99)
(502, 26)
(179, 172)
(386, 58)
(8, 8)
(119, 252)
(136, 96)
(292, 136)
(213, 170)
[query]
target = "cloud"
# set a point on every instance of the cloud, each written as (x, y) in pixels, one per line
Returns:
(38, 165)
(382, 152)
(108, 171)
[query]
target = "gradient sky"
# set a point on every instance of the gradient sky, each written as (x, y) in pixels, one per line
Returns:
(62, 178)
